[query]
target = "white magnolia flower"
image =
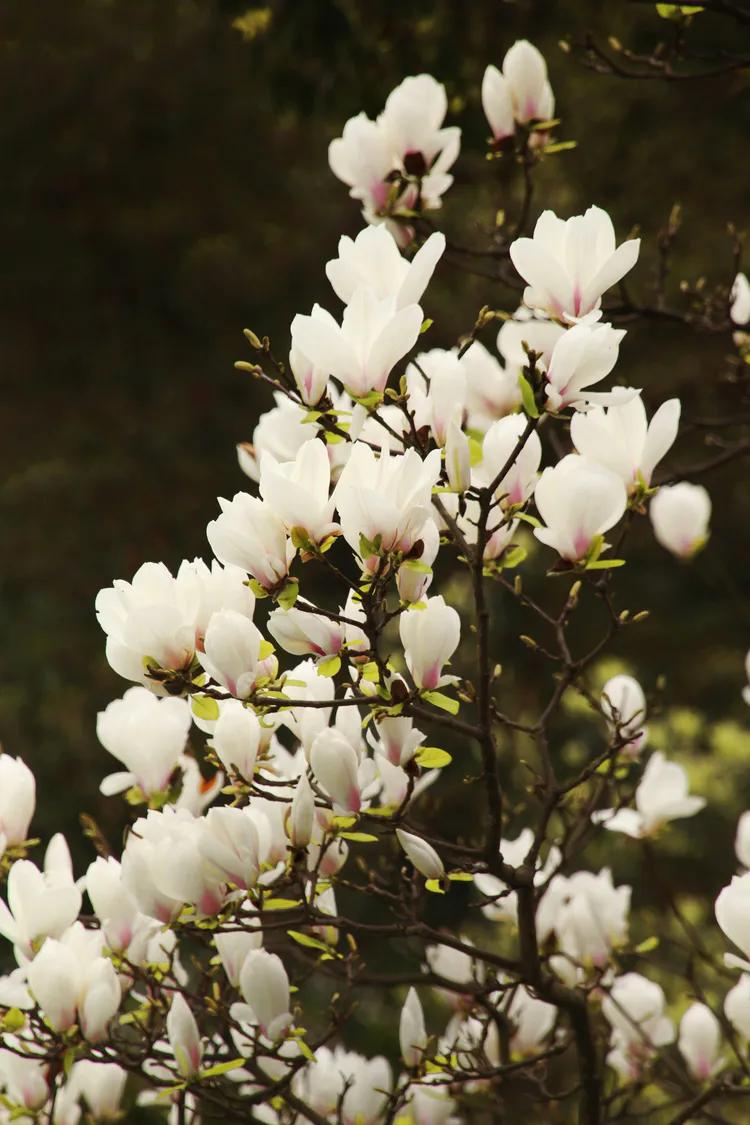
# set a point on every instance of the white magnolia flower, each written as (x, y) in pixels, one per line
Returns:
(237, 737)
(233, 948)
(373, 261)
(525, 72)
(732, 911)
(336, 766)
(113, 904)
(622, 440)
(301, 814)
(298, 491)
(161, 618)
(532, 1020)
(147, 735)
(412, 1033)
(492, 391)
(430, 636)
(578, 501)
(624, 706)
(742, 840)
(17, 801)
(500, 442)
(422, 855)
(679, 516)
(634, 1007)
(370, 1082)
(497, 103)
(231, 653)
(699, 1041)
(737, 1006)
(580, 359)
(250, 535)
(304, 633)
(386, 498)
(569, 263)
(661, 796)
(361, 352)
(23, 1080)
(265, 987)
(739, 311)
(437, 397)
(73, 983)
(588, 914)
(184, 1037)
(101, 1085)
(505, 904)
(40, 905)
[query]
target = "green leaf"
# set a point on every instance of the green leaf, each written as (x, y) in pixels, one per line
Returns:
(311, 416)
(308, 941)
(532, 520)
(305, 1049)
(513, 557)
(675, 11)
(344, 821)
(287, 596)
(371, 673)
(281, 904)
(605, 564)
(330, 666)
(204, 707)
(435, 886)
(266, 649)
(559, 146)
(222, 1068)
(527, 396)
(432, 758)
(13, 1020)
(257, 589)
(475, 451)
(426, 325)
(359, 837)
(647, 945)
(461, 877)
(444, 702)
(300, 539)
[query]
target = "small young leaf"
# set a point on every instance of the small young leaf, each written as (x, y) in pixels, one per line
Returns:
(287, 596)
(435, 886)
(527, 396)
(432, 758)
(330, 666)
(204, 707)
(444, 702)
(222, 1068)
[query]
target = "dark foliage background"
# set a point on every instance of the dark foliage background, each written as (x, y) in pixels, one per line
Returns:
(165, 183)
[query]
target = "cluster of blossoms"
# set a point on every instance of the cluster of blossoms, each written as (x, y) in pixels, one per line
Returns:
(272, 744)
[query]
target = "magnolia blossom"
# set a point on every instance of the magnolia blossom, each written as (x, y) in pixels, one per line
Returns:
(163, 866)
(73, 983)
(580, 359)
(336, 766)
(661, 796)
(532, 1020)
(578, 501)
(301, 814)
(588, 914)
(265, 987)
(430, 636)
(622, 440)
(737, 1006)
(113, 903)
(412, 1034)
(514, 851)
(414, 576)
(297, 491)
(624, 706)
(526, 332)
(634, 1007)
(40, 905)
(739, 311)
(23, 1080)
(438, 399)
(422, 855)
(569, 263)
(679, 516)
(234, 947)
(699, 1041)
(236, 738)
(304, 633)
(407, 138)
(742, 840)
(516, 485)
(184, 1037)
(147, 735)
(361, 353)
(231, 656)
(497, 103)
(161, 619)
(492, 391)
(280, 431)
(250, 535)
(17, 801)
(369, 1084)
(373, 261)
(101, 1085)
(525, 72)
(385, 499)
(732, 911)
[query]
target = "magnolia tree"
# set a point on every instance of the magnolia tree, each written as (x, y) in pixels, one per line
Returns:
(290, 706)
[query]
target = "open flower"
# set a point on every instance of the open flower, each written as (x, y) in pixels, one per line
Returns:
(661, 796)
(298, 491)
(147, 735)
(621, 439)
(578, 501)
(17, 801)
(569, 263)
(373, 261)
(732, 911)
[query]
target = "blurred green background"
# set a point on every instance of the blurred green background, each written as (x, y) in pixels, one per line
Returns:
(165, 184)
